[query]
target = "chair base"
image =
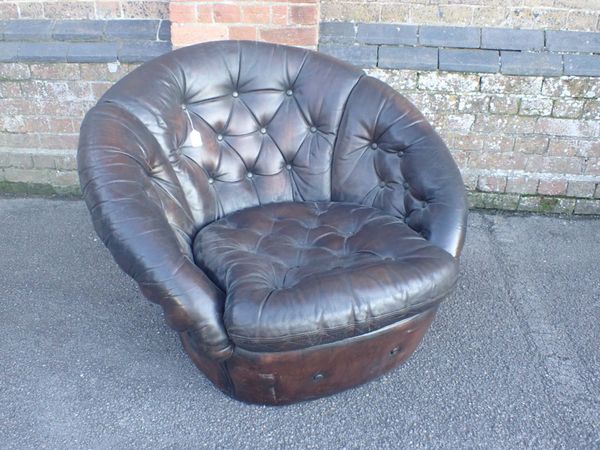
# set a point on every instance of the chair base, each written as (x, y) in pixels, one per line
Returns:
(279, 378)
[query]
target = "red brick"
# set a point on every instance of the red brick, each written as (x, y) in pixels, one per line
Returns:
(57, 125)
(259, 14)
(279, 15)
(204, 13)
(100, 88)
(185, 34)
(493, 160)
(552, 187)
(55, 71)
(59, 141)
(183, 12)
(593, 167)
(105, 72)
(225, 13)
(14, 71)
(581, 189)
(522, 185)
(554, 164)
(567, 127)
(14, 140)
(291, 36)
(10, 89)
(243, 33)
(18, 106)
(531, 144)
(563, 147)
(491, 184)
(303, 15)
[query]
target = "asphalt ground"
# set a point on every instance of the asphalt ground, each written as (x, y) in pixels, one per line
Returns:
(511, 361)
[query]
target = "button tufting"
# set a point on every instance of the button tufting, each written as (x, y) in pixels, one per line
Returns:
(211, 180)
(249, 175)
(183, 107)
(313, 129)
(289, 92)
(318, 376)
(382, 184)
(405, 185)
(263, 130)
(374, 146)
(288, 166)
(235, 94)
(400, 153)
(219, 137)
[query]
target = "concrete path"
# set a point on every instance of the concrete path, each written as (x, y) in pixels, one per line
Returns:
(512, 360)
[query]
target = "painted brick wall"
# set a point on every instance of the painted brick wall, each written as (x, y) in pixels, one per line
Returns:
(576, 15)
(293, 22)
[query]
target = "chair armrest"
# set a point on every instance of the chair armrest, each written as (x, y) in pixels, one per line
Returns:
(139, 211)
(388, 156)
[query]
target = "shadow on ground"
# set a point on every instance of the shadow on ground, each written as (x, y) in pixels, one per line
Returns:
(511, 361)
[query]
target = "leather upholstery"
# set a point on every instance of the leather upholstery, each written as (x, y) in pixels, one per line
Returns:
(303, 274)
(278, 124)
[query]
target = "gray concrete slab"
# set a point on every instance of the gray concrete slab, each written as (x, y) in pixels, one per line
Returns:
(511, 361)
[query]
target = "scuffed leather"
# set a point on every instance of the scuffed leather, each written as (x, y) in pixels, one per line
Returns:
(302, 274)
(278, 124)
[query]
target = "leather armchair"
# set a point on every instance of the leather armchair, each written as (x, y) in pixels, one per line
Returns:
(298, 221)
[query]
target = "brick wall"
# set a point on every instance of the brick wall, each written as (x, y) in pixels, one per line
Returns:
(84, 9)
(577, 15)
(292, 22)
(41, 107)
(513, 88)
(56, 60)
(518, 107)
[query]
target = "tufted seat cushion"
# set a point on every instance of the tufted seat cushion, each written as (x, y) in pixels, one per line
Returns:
(307, 273)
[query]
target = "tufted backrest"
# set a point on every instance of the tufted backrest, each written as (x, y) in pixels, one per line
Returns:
(276, 124)
(267, 115)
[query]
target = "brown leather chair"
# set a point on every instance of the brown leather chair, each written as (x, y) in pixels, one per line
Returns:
(298, 221)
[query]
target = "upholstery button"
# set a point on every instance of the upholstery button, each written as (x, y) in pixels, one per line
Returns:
(288, 166)
(219, 137)
(263, 130)
(211, 180)
(289, 92)
(249, 175)
(184, 107)
(374, 146)
(400, 153)
(382, 184)
(405, 185)
(318, 376)
(313, 129)
(235, 94)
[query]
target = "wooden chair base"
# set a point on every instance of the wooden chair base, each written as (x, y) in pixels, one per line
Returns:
(279, 378)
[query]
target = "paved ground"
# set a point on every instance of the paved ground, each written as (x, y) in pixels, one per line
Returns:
(512, 360)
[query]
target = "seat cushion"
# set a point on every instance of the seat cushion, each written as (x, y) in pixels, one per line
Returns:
(308, 273)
